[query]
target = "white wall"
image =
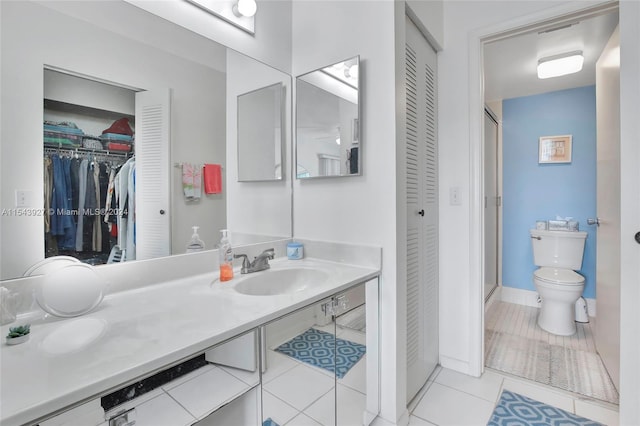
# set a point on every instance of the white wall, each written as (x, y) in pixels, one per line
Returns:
(31, 39)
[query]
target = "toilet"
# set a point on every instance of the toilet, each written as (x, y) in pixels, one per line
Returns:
(558, 255)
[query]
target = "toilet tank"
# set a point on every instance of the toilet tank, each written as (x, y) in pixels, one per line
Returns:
(558, 249)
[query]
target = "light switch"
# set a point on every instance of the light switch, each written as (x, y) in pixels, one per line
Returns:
(24, 198)
(454, 196)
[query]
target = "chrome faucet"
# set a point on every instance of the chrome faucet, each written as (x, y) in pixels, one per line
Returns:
(260, 262)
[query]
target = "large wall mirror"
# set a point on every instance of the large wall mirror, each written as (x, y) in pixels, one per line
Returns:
(328, 139)
(145, 53)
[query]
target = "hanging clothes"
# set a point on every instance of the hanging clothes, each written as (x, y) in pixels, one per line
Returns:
(96, 239)
(125, 199)
(75, 201)
(82, 192)
(110, 196)
(48, 189)
(62, 225)
(104, 228)
(75, 185)
(50, 242)
(131, 219)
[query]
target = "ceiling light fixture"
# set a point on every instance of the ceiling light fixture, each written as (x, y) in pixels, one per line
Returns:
(555, 66)
(239, 13)
(246, 8)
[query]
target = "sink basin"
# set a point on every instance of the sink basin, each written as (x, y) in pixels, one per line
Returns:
(280, 281)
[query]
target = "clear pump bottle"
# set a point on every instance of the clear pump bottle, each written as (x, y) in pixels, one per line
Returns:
(226, 257)
(195, 244)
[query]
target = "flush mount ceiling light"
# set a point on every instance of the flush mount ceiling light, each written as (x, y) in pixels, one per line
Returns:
(555, 66)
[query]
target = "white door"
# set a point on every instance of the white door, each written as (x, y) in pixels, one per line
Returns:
(491, 204)
(152, 208)
(422, 210)
(607, 333)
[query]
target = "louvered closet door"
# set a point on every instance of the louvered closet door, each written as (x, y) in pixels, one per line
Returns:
(422, 210)
(153, 221)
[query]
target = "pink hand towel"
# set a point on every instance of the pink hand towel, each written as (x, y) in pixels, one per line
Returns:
(212, 179)
(187, 180)
(197, 182)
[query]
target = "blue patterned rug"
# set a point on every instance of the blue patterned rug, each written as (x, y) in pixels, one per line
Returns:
(319, 349)
(516, 410)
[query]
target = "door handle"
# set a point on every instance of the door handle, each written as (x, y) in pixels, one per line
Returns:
(421, 212)
(592, 221)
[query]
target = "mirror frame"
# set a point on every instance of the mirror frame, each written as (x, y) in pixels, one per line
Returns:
(357, 129)
(283, 91)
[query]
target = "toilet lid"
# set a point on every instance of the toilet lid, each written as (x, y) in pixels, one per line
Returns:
(559, 276)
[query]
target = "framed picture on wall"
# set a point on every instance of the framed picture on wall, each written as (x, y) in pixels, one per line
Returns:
(554, 149)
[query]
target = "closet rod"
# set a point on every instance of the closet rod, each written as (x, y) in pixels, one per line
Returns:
(80, 150)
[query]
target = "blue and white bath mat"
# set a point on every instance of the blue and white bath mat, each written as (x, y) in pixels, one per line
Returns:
(319, 348)
(517, 410)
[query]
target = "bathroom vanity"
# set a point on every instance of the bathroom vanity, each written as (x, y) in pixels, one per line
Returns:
(137, 332)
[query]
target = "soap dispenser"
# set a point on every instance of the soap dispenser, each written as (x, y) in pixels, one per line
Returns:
(226, 257)
(195, 244)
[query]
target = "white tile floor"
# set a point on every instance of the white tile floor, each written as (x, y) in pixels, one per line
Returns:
(452, 398)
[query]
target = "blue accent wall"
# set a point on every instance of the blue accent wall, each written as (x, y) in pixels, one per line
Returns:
(533, 191)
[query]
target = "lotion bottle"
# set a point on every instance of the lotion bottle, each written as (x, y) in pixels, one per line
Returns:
(226, 257)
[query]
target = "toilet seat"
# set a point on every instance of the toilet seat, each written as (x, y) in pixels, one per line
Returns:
(559, 276)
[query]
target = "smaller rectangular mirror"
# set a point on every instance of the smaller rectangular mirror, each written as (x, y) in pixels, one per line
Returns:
(328, 141)
(260, 134)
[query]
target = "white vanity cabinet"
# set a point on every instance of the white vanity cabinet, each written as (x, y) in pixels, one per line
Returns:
(152, 333)
(207, 395)
(316, 364)
(319, 362)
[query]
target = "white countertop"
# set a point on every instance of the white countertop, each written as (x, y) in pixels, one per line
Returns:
(133, 334)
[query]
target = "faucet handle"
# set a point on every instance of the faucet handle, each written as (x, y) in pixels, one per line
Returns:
(245, 260)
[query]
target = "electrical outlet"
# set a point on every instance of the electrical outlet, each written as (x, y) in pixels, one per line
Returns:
(454, 196)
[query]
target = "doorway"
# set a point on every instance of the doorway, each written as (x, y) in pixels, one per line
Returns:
(536, 192)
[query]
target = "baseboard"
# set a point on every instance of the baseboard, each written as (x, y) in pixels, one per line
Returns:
(402, 421)
(591, 307)
(455, 364)
(530, 298)
(519, 296)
